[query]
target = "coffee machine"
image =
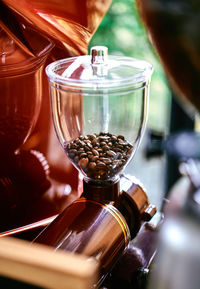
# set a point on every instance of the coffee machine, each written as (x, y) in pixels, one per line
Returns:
(113, 208)
(29, 41)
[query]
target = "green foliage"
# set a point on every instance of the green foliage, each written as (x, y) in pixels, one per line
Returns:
(122, 32)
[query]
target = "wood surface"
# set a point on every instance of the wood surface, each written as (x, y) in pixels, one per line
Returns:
(42, 266)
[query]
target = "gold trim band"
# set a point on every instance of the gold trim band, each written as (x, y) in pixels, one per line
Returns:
(115, 213)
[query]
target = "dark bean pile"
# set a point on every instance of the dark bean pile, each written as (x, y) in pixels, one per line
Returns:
(101, 155)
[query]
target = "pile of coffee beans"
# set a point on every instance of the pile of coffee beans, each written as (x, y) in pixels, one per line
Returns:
(100, 156)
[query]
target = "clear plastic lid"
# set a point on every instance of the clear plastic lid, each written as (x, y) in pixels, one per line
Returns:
(100, 71)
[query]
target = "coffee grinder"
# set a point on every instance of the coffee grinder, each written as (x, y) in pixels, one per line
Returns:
(99, 107)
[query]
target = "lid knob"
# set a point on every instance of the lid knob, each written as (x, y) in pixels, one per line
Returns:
(99, 54)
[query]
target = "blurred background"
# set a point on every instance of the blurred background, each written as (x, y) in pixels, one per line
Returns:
(123, 33)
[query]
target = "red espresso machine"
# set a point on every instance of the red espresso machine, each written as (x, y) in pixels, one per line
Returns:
(32, 35)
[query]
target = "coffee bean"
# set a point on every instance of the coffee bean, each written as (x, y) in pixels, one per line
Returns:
(125, 157)
(89, 145)
(83, 163)
(120, 137)
(130, 151)
(102, 143)
(100, 156)
(86, 148)
(94, 141)
(83, 155)
(103, 138)
(94, 158)
(105, 148)
(73, 151)
(86, 140)
(92, 165)
(114, 138)
(105, 160)
(80, 150)
(122, 142)
(95, 152)
(111, 153)
(91, 136)
(120, 146)
(119, 155)
(101, 165)
(115, 162)
(116, 149)
(91, 156)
